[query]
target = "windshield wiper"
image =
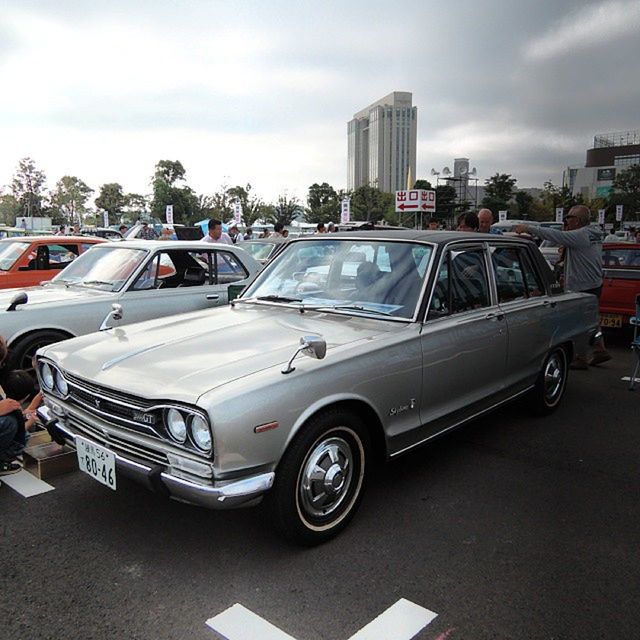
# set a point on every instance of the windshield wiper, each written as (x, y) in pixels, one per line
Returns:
(99, 283)
(347, 307)
(274, 298)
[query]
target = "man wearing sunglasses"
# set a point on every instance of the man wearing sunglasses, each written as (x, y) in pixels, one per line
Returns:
(582, 264)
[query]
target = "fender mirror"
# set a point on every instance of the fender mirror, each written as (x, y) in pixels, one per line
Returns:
(116, 313)
(312, 346)
(18, 299)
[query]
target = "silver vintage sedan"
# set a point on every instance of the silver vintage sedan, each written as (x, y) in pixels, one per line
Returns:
(347, 348)
(146, 279)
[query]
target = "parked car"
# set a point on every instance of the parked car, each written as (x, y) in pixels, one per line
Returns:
(621, 283)
(27, 261)
(264, 249)
(220, 408)
(101, 232)
(148, 279)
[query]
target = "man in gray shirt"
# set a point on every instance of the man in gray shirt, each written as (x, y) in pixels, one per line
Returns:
(582, 264)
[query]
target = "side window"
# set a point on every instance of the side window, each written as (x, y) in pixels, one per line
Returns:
(509, 275)
(148, 279)
(468, 280)
(59, 255)
(228, 268)
(535, 288)
(461, 284)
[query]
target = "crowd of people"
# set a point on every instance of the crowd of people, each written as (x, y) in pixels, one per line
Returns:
(19, 399)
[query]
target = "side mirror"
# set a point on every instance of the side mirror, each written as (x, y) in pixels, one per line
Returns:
(18, 299)
(312, 346)
(116, 313)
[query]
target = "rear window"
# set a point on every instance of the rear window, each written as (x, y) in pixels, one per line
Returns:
(621, 258)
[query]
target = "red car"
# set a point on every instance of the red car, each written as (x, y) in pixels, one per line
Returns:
(25, 262)
(621, 262)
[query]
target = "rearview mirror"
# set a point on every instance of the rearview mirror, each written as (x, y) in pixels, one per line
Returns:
(18, 299)
(116, 313)
(312, 346)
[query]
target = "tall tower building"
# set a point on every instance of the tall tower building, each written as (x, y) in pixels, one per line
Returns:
(382, 143)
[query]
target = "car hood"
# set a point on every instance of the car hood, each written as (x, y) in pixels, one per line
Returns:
(188, 355)
(49, 294)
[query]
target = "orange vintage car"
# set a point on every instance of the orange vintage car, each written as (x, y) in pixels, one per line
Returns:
(27, 261)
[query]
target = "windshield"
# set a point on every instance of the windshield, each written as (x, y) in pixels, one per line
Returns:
(105, 268)
(10, 252)
(361, 276)
(259, 250)
(626, 258)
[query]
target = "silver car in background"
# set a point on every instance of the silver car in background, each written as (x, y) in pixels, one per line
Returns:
(346, 349)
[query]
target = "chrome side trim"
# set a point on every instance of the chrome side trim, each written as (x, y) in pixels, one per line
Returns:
(461, 422)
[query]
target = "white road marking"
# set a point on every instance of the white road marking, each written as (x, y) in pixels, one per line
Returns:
(238, 623)
(401, 621)
(628, 379)
(26, 484)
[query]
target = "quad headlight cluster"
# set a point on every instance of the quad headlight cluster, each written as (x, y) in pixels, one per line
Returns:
(52, 379)
(183, 424)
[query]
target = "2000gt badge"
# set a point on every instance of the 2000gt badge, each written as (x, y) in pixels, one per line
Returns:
(144, 418)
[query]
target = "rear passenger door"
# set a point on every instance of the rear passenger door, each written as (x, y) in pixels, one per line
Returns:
(530, 313)
(464, 339)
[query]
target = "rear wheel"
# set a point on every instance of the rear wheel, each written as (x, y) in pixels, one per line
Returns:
(551, 383)
(321, 478)
(22, 351)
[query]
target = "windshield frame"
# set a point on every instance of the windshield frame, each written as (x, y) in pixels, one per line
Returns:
(107, 246)
(352, 236)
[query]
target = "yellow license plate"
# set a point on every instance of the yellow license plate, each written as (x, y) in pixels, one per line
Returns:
(611, 321)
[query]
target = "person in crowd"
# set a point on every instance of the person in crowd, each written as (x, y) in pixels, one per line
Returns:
(147, 232)
(611, 237)
(320, 228)
(234, 233)
(122, 229)
(265, 233)
(216, 235)
(60, 231)
(76, 230)
(468, 221)
(331, 228)
(582, 264)
(278, 228)
(433, 224)
(485, 220)
(248, 234)
(285, 233)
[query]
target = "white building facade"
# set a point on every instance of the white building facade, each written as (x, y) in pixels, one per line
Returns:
(382, 141)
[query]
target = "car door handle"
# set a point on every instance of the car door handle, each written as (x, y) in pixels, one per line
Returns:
(549, 303)
(213, 296)
(494, 316)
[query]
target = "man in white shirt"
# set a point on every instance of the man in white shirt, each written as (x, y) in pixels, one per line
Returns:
(216, 234)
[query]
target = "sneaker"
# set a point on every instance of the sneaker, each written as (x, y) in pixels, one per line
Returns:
(600, 356)
(7, 468)
(579, 362)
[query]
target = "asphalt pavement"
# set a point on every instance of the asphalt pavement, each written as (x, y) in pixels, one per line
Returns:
(511, 527)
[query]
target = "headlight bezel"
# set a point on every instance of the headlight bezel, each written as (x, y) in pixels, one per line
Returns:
(167, 423)
(59, 386)
(46, 371)
(189, 416)
(60, 383)
(206, 428)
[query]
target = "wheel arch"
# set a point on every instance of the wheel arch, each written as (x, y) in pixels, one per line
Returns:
(32, 331)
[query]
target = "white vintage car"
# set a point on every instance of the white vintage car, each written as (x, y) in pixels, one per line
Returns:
(148, 279)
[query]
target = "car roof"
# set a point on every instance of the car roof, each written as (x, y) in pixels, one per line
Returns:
(171, 244)
(411, 235)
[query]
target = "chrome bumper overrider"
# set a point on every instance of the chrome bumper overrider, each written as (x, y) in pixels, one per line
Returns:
(218, 495)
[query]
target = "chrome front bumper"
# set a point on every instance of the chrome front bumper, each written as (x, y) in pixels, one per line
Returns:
(218, 495)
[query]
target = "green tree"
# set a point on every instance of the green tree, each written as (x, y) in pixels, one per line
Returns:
(112, 199)
(371, 204)
(445, 201)
(10, 209)
(136, 206)
(626, 191)
(323, 203)
(498, 190)
(285, 210)
(252, 205)
(70, 197)
(28, 187)
(422, 184)
(524, 201)
(167, 175)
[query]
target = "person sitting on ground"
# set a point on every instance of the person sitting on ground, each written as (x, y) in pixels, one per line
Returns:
(468, 221)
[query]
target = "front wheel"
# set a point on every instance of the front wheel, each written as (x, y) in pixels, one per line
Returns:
(551, 383)
(321, 478)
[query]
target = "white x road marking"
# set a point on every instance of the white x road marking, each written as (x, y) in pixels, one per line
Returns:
(402, 621)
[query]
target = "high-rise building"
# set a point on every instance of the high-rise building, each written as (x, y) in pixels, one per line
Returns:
(382, 143)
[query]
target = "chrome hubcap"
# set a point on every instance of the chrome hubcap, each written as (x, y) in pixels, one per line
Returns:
(326, 477)
(553, 378)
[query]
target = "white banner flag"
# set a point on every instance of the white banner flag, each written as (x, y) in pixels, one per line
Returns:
(345, 210)
(237, 212)
(105, 219)
(619, 210)
(502, 216)
(559, 214)
(169, 214)
(601, 216)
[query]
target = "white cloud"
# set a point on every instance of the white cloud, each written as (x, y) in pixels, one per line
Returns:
(586, 27)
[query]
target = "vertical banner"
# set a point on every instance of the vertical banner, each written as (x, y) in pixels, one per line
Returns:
(345, 210)
(619, 209)
(169, 214)
(559, 214)
(502, 216)
(105, 219)
(237, 212)
(601, 216)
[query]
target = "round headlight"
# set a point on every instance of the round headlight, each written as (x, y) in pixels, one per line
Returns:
(61, 383)
(47, 377)
(200, 433)
(176, 425)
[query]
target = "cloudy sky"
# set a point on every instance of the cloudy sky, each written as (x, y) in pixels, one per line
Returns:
(261, 91)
